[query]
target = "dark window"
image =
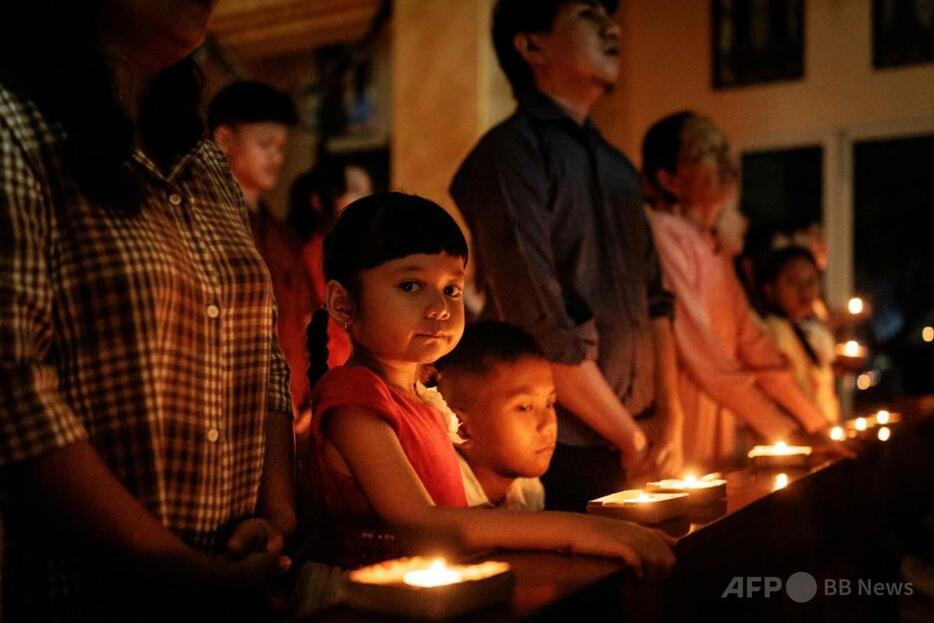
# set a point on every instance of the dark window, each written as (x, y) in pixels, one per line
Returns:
(894, 255)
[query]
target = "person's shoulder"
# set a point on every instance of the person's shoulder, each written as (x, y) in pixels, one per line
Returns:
(526, 494)
(779, 328)
(353, 386)
(509, 145)
(513, 135)
(350, 379)
(23, 126)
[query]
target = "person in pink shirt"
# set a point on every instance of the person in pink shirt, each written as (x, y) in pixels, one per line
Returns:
(731, 372)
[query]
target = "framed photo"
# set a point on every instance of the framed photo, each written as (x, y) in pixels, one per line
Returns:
(757, 41)
(902, 32)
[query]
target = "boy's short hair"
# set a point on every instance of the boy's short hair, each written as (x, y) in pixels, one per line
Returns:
(487, 343)
(249, 101)
(511, 17)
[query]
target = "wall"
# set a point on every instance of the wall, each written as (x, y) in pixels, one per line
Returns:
(666, 56)
(447, 91)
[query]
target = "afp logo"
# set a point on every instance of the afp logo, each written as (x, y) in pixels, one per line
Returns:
(801, 587)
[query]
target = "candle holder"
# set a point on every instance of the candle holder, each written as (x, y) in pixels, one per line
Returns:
(851, 356)
(701, 491)
(640, 506)
(428, 589)
(780, 455)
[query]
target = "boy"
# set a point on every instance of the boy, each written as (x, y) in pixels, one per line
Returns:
(250, 123)
(500, 384)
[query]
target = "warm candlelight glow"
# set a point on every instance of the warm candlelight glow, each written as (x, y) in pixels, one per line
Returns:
(884, 433)
(851, 348)
(642, 497)
(855, 306)
(883, 416)
(437, 574)
(864, 381)
(927, 334)
(780, 448)
(837, 433)
(781, 481)
(860, 424)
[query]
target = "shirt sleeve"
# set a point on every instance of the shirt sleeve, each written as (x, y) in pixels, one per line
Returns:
(774, 373)
(279, 398)
(34, 416)
(352, 386)
(724, 377)
(502, 191)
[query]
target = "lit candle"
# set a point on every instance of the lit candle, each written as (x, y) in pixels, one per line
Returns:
(837, 433)
(855, 306)
(884, 433)
(860, 424)
(437, 574)
(883, 416)
(423, 588)
(640, 506)
(780, 455)
(781, 481)
(851, 349)
(704, 490)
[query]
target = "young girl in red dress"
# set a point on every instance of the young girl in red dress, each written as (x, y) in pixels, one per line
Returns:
(383, 443)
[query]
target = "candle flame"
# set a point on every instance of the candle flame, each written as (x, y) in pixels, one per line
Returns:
(855, 306)
(837, 434)
(882, 416)
(851, 348)
(861, 424)
(437, 574)
(884, 433)
(781, 481)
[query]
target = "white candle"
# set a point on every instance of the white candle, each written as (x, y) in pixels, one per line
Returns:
(704, 490)
(780, 454)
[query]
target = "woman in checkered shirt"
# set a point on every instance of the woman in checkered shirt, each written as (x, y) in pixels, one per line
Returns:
(145, 426)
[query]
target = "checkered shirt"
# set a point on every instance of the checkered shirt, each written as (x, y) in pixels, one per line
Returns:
(150, 336)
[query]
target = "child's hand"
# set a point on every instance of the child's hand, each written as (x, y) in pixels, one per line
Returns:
(646, 550)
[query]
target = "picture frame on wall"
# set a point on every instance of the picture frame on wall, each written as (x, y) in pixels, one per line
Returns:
(902, 32)
(757, 41)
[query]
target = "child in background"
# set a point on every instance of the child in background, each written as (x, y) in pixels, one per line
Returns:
(395, 270)
(789, 283)
(500, 385)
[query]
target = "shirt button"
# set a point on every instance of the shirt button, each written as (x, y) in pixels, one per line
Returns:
(213, 435)
(175, 199)
(213, 311)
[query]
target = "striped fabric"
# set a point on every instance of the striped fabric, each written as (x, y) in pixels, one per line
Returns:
(151, 336)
